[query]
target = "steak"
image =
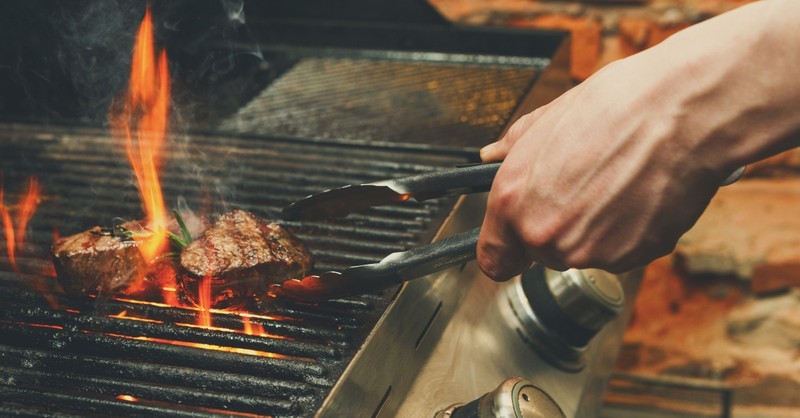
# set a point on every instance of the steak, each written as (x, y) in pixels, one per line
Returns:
(99, 261)
(242, 255)
(96, 261)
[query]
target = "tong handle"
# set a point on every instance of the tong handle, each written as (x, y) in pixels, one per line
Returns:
(417, 262)
(474, 178)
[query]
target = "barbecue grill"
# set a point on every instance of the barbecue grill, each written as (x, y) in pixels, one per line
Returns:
(343, 95)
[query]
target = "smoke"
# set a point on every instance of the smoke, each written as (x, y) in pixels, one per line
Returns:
(235, 10)
(94, 43)
(212, 46)
(69, 60)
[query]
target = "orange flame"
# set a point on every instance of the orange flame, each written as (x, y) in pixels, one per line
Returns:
(143, 121)
(8, 228)
(170, 293)
(204, 294)
(251, 328)
(25, 210)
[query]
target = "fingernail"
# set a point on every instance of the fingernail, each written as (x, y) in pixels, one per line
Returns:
(485, 151)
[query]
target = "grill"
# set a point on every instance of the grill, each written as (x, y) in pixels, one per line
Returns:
(63, 354)
(337, 103)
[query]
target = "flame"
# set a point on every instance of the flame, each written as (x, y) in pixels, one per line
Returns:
(124, 315)
(128, 398)
(251, 328)
(25, 210)
(8, 229)
(143, 122)
(204, 294)
(170, 294)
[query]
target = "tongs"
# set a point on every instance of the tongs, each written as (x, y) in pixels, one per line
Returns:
(400, 266)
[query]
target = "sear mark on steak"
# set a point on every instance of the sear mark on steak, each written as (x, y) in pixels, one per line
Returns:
(242, 255)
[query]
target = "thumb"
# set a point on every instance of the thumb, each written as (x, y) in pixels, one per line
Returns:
(497, 151)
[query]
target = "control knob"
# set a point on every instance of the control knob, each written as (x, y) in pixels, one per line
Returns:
(514, 398)
(560, 312)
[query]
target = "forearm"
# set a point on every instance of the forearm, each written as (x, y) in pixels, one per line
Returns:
(733, 85)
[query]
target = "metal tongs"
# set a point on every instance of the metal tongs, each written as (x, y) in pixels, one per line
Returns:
(397, 267)
(400, 266)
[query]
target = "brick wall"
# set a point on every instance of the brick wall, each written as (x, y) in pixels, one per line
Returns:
(602, 31)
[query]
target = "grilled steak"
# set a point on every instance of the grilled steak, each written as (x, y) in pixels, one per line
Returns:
(99, 262)
(96, 261)
(242, 254)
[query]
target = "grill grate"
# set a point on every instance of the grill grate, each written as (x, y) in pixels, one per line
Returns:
(127, 357)
(382, 100)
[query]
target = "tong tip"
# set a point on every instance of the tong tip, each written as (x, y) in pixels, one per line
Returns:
(309, 289)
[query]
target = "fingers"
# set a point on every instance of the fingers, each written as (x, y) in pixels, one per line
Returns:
(501, 255)
(497, 151)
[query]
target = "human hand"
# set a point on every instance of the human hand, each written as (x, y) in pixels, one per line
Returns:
(613, 172)
(594, 179)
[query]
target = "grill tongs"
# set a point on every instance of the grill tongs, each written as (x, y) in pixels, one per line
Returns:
(396, 267)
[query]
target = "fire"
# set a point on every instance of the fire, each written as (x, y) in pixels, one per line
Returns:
(204, 294)
(143, 122)
(8, 228)
(28, 203)
(251, 328)
(27, 209)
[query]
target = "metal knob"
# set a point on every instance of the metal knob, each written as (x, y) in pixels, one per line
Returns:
(574, 303)
(560, 312)
(514, 398)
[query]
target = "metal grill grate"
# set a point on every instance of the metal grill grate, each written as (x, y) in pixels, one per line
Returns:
(397, 101)
(127, 357)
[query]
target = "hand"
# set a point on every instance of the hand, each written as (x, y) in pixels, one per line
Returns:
(613, 172)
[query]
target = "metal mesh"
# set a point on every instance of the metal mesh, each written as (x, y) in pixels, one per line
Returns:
(397, 101)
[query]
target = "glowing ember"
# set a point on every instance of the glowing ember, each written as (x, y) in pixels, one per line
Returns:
(128, 398)
(124, 315)
(143, 123)
(214, 347)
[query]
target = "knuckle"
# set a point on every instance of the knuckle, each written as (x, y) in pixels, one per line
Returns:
(520, 126)
(503, 195)
(579, 259)
(534, 237)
